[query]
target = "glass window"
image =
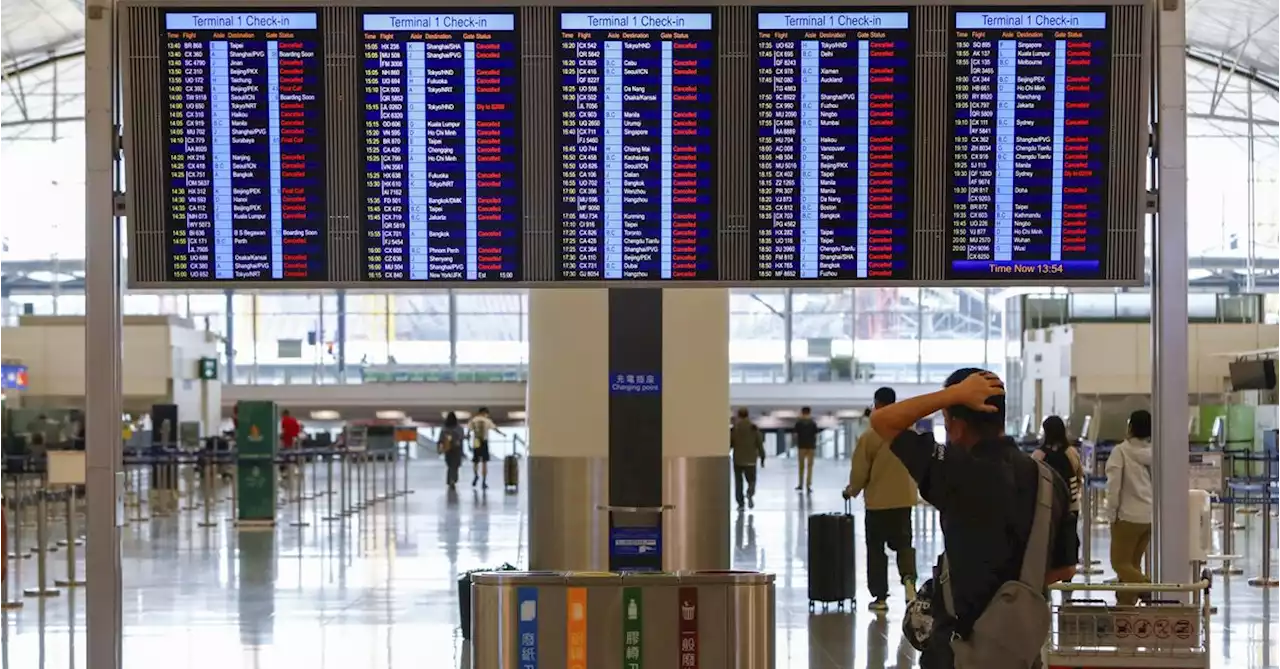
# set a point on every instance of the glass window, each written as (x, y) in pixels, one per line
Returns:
(487, 302)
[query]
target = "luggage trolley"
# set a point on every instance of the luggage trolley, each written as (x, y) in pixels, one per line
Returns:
(1100, 635)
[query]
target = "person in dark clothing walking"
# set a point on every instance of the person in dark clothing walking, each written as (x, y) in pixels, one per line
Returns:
(1057, 451)
(985, 489)
(891, 496)
(747, 443)
(450, 444)
(806, 431)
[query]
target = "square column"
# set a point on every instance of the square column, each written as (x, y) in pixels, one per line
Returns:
(628, 414)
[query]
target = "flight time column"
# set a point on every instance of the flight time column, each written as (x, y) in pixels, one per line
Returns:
(636, 179)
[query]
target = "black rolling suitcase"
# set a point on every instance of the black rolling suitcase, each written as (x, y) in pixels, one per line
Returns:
(511, 472)
(832, 577)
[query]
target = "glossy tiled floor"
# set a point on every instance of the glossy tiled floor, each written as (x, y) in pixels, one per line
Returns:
(378, 591)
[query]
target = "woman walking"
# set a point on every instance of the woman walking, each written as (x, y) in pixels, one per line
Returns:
(450, 444)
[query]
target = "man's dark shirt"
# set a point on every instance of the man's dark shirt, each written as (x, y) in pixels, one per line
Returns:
(806, 433)
(986, 498)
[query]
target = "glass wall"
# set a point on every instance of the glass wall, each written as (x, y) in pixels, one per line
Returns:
(775, 336)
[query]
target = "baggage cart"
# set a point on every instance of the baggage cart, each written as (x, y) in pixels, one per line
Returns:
(1170, 631)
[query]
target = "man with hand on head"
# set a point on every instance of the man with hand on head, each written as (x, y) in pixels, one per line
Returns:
(985, 489)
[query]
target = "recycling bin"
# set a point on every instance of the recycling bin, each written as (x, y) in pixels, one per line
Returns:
(514, 619)
(727, 619)
(582, 620)
(650, 614)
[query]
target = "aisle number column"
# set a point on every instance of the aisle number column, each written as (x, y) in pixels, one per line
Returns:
(220, 106)
(614, 160)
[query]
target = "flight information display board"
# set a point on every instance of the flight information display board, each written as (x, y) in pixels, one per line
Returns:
(441, 147)
(245, 123)
(834, 144)
(1030, 143)
(637, 145)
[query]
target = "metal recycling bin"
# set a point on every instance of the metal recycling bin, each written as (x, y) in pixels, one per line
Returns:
(578, 620)
(726, 619)
(513, 612)
(650, 611)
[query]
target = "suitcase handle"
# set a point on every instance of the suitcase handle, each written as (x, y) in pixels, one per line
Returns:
(848, 506)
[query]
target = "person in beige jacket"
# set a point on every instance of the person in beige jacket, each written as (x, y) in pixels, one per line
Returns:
(891, 496)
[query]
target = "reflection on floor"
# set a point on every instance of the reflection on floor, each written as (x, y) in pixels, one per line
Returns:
(378, 591)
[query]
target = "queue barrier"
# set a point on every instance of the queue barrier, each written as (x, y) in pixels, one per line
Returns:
(584, 620)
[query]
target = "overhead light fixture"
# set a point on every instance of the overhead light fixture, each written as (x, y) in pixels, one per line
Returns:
(462, 415)
(848, 413)
(390, 414)
(325, 414)
(769, 423)
(784, 414)
(518, 415)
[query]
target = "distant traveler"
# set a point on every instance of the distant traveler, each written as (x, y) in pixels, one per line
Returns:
(481, 425)
(450, 444)
(290, 430)
(989, 495)
(1057, 451)
(891, 496)
(1129, 503)
(806, 431)
(747, 443)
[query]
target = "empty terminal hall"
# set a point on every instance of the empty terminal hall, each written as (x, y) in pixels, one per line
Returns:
(519, 335)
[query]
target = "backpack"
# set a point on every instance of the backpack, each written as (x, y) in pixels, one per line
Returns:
(1012, 630)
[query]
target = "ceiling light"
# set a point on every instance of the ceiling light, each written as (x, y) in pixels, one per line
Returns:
(390, 414)
(518, 415)
(325, 414)
(848, 413)
(784, 414)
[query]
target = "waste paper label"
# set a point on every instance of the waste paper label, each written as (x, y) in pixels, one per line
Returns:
(527, 627)
(632, 630)
(576, 624)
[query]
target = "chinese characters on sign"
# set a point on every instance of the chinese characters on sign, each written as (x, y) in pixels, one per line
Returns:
(632, 657)
(527, 627)
(688, 601)
(576, 646)
(635, 384)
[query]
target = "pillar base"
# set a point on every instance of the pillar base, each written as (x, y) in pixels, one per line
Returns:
(567, 529)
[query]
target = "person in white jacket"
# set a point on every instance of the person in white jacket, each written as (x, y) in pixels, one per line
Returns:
(1129, 503)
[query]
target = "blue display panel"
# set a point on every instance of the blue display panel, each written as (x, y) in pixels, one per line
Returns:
(637, 144)
(441, 146)
(245, 125)
(834, 144)
(1030, 136)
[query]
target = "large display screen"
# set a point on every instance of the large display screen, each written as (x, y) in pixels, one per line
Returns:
(834, 144)
(245, 122)
(1029, 182)
(637, 145)
(441, 146)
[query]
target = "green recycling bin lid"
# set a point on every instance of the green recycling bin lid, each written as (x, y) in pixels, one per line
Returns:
(514, 578)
